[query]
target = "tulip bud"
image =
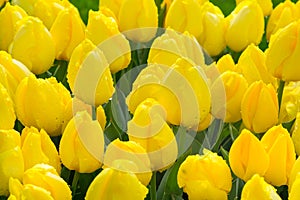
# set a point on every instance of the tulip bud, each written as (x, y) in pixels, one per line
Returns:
(243, 18)
(67, 31)
(41, 103)
(257, 188)
(45, 176)
(195, 177)
(32, 37)
(294, 193)
(184, 16)
(37, 147)
(294, 175)
(88, 75)
(283, 53)
(103, 32)
(130, 151)
(252, 64)
(47, 11)
(27, 5)
(9, 16)
(11, 159)
(226, 63)
(281, 151)
(259, 107)
(283, 14)
(296, 134)
(7, 117)
(136, 25)
(213, 24)
(113, 5)
(266, 6)
(235, 86)
(109, 180)
(82, 144)
(149, 129)
(247, 156)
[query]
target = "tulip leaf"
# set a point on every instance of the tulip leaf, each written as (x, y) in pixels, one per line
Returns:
(212, 135)
(3, 197)
(236, 189)
(225, 5)
(84, 7)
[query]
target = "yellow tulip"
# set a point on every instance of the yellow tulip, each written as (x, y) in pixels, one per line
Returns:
(27, 5)
(171, 45)
(257, 188)
(103, 32)
(126, 185)
(184, 16)
(130, 151)
(213, 24)
(113, 5)
(45, 176)
(37, 147)
(296, 134)
(82, 144)
(47, 11)
(2, 2)
(27, 191)
(281, 151)
(41, 103)
(136, 25)
(294, 174)
(8, 116)
(149, 129)
(290, 103)
(244, 17)
(235, 86)
(266, 6)
(9, 16)
(32, 37)
(67, 31)
(226, 63)
(252, 64)
(294, 193)
(247, 156)
(259, 107)
(283, 53)
(195, 177)
(89, 75)
(283, 14)
(11, 159)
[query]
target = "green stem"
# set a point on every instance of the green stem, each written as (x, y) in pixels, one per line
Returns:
(280, 93)
(94, 114)
(153, 186)
(75, 182)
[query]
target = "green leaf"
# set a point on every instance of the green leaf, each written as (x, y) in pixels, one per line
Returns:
(84, 7)
(226, 6)
(3, 197)
(236, 190)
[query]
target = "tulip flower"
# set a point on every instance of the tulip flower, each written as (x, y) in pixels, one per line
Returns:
(247, 156)
(290, 103)
(171, 45)
(45, 176)
(131, 151)
(266, 6)
(280, 148)
(82, 144)
(136, 25)
(296, 133)
(283, 14)
(283, 53)
(103, 32)
(67, 31)
(149, 129)
(226, 63)
(257, 188)
(294, 193)
(41, 103)
(2, 2)
(28, 191)
(213, 24)
(31, 37)
(294, 174)
(47, 11)
(252, 64)
(244, 17)
(9, 16)
(113, 5)
(37, 147)
(89, 75)
(11, 159)
(259, 107)
(195, 177)
(8, 116)
(27, 5)
(109, 180)
(235, 86)
(184, 16)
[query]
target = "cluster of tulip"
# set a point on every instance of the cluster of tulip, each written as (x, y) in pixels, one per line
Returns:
(131, 106)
